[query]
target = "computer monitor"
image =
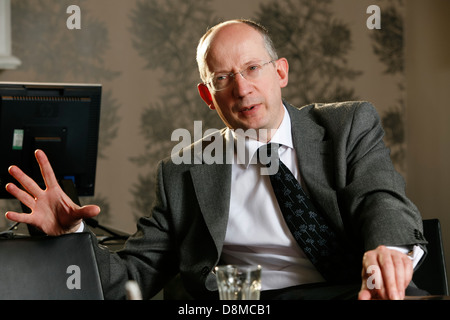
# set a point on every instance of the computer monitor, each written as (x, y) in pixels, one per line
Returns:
(59, 118)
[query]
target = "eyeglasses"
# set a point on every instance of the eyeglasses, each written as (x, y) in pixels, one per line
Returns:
(222, 81)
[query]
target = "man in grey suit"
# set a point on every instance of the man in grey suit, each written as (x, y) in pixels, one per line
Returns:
(224, 211)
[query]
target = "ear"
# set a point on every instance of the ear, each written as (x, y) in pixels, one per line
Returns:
(206, 95)
(283, 71)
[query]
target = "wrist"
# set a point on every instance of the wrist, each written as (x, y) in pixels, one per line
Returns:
(77, 228)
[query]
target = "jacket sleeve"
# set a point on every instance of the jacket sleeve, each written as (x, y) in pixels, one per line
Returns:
(369, 188)
(144, 256)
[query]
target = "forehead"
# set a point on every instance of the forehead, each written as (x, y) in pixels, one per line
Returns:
(234, 45)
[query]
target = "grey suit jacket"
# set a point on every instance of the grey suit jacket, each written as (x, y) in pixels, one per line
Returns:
(346, 168)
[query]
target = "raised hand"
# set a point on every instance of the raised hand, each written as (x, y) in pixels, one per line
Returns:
(52, 210)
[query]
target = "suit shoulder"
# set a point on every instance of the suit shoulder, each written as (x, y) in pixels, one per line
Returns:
(342, 109)
(340, 113)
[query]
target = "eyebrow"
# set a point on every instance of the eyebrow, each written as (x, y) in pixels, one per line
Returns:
(244, 66)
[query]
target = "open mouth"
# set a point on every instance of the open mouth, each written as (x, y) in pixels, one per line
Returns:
(247, 109)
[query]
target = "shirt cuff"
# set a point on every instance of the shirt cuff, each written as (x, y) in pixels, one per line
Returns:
(81, 228)
(415, 253)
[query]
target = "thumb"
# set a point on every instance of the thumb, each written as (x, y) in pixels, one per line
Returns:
(88, 211)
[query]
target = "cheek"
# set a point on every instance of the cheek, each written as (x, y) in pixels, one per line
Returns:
(221, 102)
(272, 93)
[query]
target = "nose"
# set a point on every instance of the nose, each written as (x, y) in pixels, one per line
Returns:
(241, 86)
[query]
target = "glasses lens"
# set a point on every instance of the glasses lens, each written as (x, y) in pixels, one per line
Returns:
(221, 81)
(252, 72)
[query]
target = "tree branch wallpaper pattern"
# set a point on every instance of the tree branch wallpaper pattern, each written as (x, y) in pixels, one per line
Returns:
(315, 42)
(388, 47)
(158, 38)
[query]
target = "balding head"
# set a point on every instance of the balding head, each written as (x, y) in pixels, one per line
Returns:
(207, 40)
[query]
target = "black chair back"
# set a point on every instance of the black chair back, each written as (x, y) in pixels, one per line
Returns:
(49, 268)
(432, 274)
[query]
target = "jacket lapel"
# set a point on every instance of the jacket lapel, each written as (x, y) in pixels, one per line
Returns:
(212, 184)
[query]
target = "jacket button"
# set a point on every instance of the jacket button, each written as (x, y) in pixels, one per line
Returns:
(205, 271)
(418, 235)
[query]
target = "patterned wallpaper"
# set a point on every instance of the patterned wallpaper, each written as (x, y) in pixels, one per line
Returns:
(143, 52)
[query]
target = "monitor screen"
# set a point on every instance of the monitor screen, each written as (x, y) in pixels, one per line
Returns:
(60, 119)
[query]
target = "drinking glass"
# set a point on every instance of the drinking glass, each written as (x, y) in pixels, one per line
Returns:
(239, 282)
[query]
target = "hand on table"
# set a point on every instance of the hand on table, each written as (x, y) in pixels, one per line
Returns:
(385, 275)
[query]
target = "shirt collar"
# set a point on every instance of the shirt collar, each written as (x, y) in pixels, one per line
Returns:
(245, 145)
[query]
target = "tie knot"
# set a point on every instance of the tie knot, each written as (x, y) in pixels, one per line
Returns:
(268, 156)
(266, 151)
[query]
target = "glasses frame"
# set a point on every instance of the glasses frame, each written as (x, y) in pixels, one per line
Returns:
(232, 75)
